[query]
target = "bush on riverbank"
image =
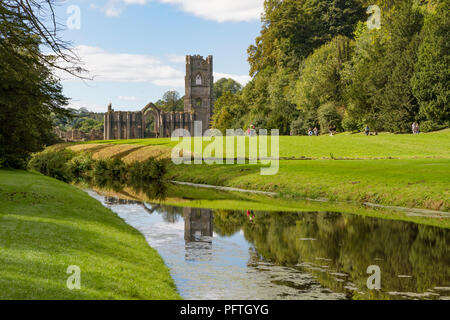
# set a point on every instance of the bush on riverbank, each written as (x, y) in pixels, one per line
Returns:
(81, 166)
(68, 166)
(53, 164)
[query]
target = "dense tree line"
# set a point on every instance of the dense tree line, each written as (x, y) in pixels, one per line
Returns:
(316, 64)
(80, 119)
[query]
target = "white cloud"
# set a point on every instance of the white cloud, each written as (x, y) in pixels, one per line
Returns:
(112, 8)
(172, 83)
(140, 2)
(215, 10)
(173, 58)
(124, 67)
(242, 79)
(127, 98)
(221, 10)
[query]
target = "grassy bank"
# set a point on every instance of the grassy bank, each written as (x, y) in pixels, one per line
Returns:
(185, 196)
(345, 145)
(388, 169)
(419, 183)
(47, 226)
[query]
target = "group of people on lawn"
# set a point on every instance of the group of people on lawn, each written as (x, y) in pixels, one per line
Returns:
(332, 130)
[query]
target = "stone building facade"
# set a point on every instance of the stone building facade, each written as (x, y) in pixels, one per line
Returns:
(198, 106)
(78, 136)
(199, 84)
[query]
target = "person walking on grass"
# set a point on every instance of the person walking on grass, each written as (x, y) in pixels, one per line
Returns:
(367, 130)
(332, 130)
(316, 131)
(310, 132)
(415, 128)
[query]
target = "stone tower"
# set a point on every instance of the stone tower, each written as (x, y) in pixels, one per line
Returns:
(199, 98)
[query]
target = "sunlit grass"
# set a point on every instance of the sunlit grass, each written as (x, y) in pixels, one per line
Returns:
(420, 183)
(404, 170)
(345, 145)
(47, 225)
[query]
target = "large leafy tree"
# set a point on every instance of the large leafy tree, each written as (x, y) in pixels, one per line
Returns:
(320, 79)
(29, 93)
(229, 112)
(226, 85)
(379, 91)
(292, 29)
(431, 82)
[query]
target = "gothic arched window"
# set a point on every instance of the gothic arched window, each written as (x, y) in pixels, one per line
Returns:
(198, 80)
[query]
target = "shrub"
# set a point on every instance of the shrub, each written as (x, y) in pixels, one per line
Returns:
(135, 171)
(329, 115)
(352, 125)
(81, 166)
(147, 172)
(109, 170)
(117, 169)
(306, 120)
(430, 126)
(53, 164)
(100, 172)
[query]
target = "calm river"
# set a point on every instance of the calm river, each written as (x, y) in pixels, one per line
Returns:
(220, 254)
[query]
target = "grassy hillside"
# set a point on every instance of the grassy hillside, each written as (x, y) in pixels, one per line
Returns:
(47, 225)
(420, 183)
(401, 170)
(345, 145)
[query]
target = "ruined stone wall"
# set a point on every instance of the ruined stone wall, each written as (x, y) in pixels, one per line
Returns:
(131, 125)
(78, 136)
(198, 106)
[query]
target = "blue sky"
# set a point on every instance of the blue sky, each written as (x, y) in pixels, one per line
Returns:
(135, 49)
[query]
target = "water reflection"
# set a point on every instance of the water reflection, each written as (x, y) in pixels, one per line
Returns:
(223, 254)
(156, 190)
(149, 208)
(198, 233)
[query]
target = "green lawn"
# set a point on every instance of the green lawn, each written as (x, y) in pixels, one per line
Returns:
(345, 145)
(398, 170)
(47, 225)
(420, 183)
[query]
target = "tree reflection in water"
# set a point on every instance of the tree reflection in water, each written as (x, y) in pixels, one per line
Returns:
(335, 248)
(413, 258)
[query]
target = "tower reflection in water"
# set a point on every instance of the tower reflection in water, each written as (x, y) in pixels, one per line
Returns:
(198, 234)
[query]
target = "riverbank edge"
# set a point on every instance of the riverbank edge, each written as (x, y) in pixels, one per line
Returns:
(417, 211)
(228, 177)
(363, 194)
(34, 199)
(217, 199)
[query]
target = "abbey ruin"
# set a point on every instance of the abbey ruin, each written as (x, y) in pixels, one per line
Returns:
(198, 106)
